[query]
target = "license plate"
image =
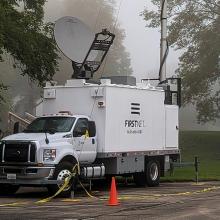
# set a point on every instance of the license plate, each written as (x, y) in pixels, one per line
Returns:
(11, 176)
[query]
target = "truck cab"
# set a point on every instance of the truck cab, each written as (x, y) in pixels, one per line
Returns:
(47, 150)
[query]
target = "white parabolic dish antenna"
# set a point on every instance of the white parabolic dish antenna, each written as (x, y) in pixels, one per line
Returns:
(74, 38)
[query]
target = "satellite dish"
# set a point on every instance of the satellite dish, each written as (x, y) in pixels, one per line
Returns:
(74, 38)
(86, 49)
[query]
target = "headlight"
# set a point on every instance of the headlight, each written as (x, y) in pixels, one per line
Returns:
(49, 154)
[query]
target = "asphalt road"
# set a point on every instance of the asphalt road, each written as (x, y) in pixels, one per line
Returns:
(169, 201)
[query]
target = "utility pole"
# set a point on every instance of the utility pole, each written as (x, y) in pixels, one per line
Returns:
(163, 40)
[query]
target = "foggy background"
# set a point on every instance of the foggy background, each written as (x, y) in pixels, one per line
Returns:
(142, 43)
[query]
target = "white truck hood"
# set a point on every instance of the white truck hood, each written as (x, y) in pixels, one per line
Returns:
(34, 137)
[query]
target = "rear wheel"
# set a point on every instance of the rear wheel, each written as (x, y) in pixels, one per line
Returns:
(152, 173)
(63, 171)
(8, 189)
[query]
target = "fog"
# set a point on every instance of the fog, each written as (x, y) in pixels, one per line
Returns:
(142, 43)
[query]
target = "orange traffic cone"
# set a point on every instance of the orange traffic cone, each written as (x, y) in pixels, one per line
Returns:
(113, 200)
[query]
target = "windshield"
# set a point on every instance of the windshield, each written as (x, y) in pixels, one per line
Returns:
(51, 124)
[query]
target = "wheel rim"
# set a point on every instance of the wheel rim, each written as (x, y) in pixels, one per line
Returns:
(154, 171)
(63, 174)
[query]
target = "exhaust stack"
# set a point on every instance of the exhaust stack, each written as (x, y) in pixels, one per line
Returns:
(164, 43)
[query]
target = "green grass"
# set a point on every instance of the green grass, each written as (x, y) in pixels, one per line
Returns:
(205, 145)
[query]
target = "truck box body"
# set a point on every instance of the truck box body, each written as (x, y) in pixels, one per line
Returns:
(128, 118)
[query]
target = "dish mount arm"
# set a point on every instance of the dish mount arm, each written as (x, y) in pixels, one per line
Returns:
(101, 43)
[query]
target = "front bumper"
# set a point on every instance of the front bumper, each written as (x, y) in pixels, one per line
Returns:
(27, 175)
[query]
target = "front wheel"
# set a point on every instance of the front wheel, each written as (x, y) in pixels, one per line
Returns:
(152, 173)
(8, 189)
(63, 171)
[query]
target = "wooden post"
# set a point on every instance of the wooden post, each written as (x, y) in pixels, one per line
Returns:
(197, 168)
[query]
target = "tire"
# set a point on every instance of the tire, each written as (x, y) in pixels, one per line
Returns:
(139, 179)
(152, 173)
(62, 171)
(8, 189)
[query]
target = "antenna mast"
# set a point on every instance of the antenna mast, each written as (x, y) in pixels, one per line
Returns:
(164, 43)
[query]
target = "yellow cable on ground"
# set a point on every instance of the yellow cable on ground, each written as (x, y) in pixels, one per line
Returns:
(13, 204)
(198, 184)
(144, 196)
(91, 196)
(125, 197)
(66, 182)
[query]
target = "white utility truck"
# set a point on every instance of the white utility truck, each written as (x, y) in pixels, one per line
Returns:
(109, 129)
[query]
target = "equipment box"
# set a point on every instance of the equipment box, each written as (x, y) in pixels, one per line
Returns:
(128, 118)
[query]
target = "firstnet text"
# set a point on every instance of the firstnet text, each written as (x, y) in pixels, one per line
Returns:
(134, 124)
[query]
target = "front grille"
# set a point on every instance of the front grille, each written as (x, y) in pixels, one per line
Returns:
(32, 153)
(21, 152)
(16, 153)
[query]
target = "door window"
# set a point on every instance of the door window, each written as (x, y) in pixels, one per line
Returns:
(81, 127)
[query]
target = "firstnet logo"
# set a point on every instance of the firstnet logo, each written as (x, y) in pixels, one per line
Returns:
(135, 108)
(134, 123)
(135, 127)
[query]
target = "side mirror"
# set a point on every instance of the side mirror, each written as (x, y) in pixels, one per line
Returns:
(92, 129)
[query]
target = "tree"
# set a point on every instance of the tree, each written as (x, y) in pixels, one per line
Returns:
(2, 88)
(31, 28)
(194, 27)
(99, 14)
(25, 37)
